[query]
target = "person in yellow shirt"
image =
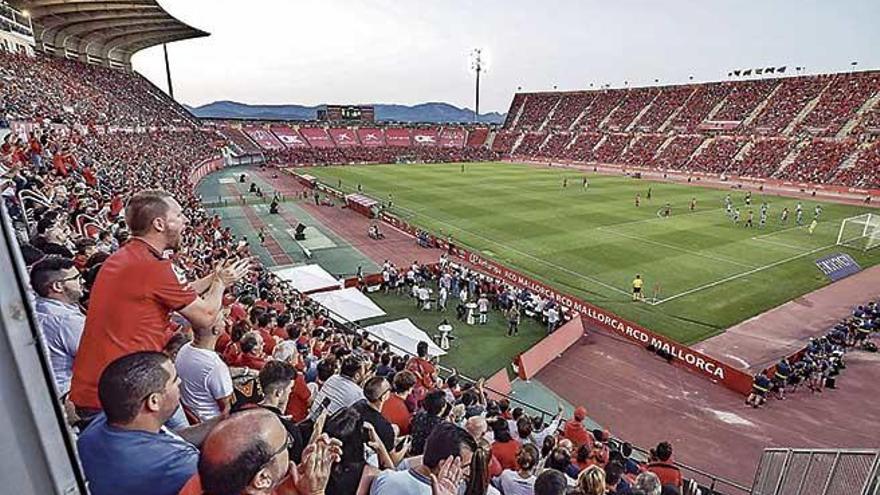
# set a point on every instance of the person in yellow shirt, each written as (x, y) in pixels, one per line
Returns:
(812, 226)
(637, 288)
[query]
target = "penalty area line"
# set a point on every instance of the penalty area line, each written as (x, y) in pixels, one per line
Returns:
(743, 274)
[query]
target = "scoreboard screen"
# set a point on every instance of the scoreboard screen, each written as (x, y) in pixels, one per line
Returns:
(347, 113)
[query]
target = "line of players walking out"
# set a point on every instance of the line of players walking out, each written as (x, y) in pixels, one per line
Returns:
(822, 360)
(734, 214)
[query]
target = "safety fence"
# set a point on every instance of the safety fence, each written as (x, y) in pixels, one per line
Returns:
(817, 472)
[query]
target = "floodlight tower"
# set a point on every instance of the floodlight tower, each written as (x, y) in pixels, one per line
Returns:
(477, 65)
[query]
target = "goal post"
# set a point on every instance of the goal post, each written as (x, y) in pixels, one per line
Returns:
(860, 232)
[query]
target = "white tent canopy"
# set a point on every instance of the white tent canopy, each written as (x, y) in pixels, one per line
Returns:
(307, 278)
(403, 334)
(348, 304)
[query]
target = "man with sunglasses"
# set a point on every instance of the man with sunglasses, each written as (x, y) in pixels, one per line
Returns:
(126, 449)
(58, 285)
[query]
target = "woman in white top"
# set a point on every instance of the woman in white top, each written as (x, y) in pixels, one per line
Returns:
(522, 481)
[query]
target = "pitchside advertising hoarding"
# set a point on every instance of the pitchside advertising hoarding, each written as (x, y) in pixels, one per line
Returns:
(708, 367)
(837, 266)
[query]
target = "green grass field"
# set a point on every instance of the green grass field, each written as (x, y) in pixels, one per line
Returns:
(709, 274)
(487, 348)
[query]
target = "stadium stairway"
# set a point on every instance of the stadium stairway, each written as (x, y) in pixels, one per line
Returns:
(871, 103)
(759, 108)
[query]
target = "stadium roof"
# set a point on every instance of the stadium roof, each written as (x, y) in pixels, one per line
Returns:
(103, 30)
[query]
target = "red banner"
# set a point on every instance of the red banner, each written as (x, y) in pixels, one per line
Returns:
(317, 137)
(593, 316)
(397, 137)
(453, 138)
(263, 137)
(425, 137)
(344, 138)
(371, 137)
(289, 136)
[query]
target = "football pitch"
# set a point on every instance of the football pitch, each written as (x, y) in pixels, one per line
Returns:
(702, 272)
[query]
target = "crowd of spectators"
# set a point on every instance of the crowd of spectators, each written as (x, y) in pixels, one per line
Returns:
(537, 107)
(555, 145)
(763, 158)
(866, 171)
(530, 144)
(76, 93)
(713, 109)
(610, 149)
(633, 104)
(642, 149)
(840, 101)
(570, 107)
(789, 99)
(698, 106)
(669, 100)
(743, 98)
(677, 153)
(818, 161)
(377, 154)
(603, 104)
(717, 157)
(581, 149)
(504, 141)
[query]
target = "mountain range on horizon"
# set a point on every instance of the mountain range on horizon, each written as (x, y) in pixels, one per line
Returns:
(433, 112)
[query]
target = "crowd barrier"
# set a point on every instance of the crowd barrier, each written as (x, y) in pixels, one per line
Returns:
(498, 385)
(530, 362)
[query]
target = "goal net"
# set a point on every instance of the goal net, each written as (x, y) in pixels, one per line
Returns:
(860, 232)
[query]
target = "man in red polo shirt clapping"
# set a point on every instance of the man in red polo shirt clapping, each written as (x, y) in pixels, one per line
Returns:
(137, 289)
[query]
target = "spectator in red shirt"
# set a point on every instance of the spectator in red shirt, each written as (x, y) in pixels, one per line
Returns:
(300, 396)
(661, 465)
(252, 355)
(504, 448)
(137, 289)
(575, 431)
(395, 409)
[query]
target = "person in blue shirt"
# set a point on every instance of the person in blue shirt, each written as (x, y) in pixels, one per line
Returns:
(126, 449)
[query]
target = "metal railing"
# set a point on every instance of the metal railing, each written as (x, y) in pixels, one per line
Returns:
(818, 471)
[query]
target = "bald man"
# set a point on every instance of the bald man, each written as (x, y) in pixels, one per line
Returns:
(248, 455)
(478, 427)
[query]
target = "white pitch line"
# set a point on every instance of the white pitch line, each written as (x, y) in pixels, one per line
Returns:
(676, 248)
(527, 255)
(743, 274)
(782, 244)
(777, 232)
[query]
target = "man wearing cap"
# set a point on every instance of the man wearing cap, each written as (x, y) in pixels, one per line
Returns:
(575, 431)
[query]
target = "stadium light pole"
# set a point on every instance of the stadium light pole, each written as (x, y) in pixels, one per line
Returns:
(168, 71)
(477, 65)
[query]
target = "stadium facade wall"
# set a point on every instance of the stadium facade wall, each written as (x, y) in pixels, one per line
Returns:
(532, 361)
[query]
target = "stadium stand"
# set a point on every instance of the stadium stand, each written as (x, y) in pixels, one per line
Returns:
(536, 108)
(610, 149)
(818, 161)
(677, 152)
(604, 103)
(570, 107)
(642, 150)
(717, 156)
(555, 145)
(530, 144)
(636, 100)
(763, 122)
(477, 137)
(764, 157)
(263, 334)
(669, 101)
(743, 99)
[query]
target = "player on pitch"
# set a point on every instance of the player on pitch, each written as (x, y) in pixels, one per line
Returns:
(693, 205)
(638, 200)
(637, 293)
